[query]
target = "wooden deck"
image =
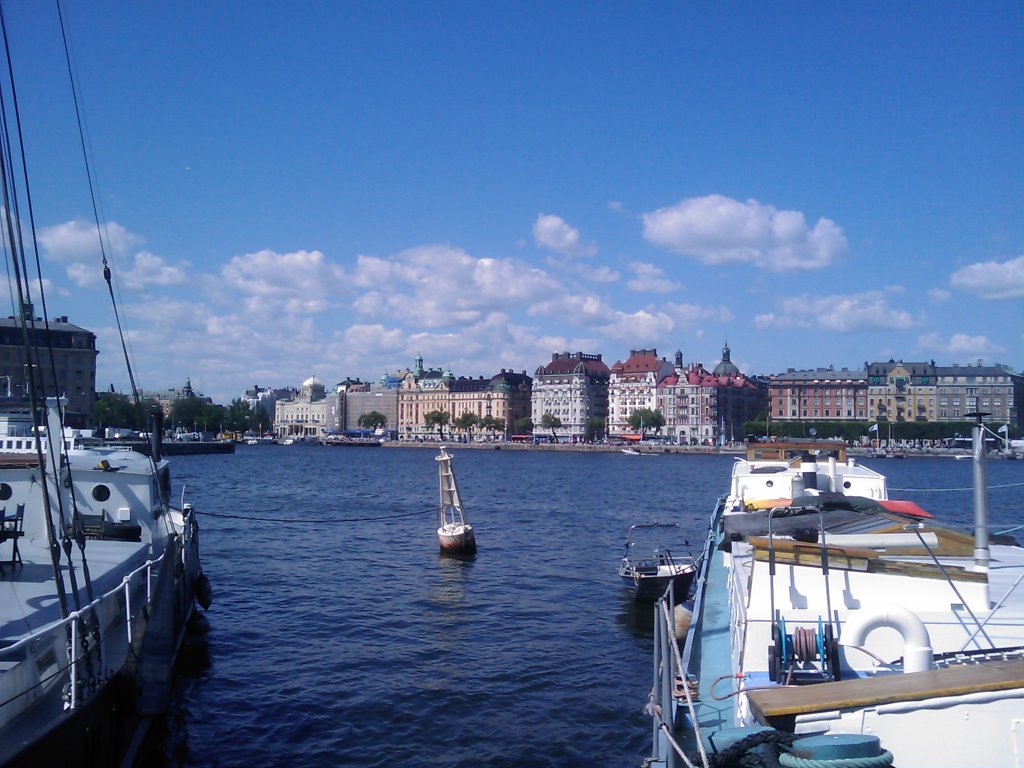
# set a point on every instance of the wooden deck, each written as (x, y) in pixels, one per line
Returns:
(779, 706)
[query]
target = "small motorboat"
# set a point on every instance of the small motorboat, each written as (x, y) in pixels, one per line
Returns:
(649, 566)
(455, 534)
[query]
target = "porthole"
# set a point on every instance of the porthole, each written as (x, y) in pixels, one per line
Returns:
(101, 493)
(5, 492)
(847, 485)
(769, 483)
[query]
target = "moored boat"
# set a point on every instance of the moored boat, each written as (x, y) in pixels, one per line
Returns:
(649, 566)
(831, 621)
(97, 594)
(455, 535)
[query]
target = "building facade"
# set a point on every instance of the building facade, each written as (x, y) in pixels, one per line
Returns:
(573, 388)
(633, 386)
(380, 396)
(72, 373)
(992, 389)
(901, 391)
(821, 394)
(306, 414)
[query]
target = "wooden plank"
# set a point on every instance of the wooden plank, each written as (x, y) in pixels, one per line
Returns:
(790, 552)
(993, 675)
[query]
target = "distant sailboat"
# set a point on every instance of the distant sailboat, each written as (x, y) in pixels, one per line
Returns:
(455, 535)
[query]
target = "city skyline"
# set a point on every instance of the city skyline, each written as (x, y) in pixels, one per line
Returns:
(332, 189)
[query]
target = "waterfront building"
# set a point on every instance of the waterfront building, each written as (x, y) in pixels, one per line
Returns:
(421, 392)
(380, 396)
(166, 398)
(263, 402)
(573, 388)
(820, 394)
(305, 415)
(504, 397)
(992, 389)
(633, 386)
(70, 372)
(901, 391)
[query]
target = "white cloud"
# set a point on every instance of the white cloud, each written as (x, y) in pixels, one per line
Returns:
(586, 309)
(719, 230)
(76, 240)
(992, 279)
(639, 328)
(869, 311)
(445, 285)
(298, 282)
(939, 295)
(688, 314)
(650, 279)
(959, 346)
(599, 274)
(552, 232)
(383, 341)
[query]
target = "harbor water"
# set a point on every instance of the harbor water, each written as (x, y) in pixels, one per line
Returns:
(339, 636)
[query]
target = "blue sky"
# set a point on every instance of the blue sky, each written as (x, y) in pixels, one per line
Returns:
(332, 188)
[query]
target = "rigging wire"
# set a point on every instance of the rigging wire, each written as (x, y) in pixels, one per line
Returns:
(95, 205)
(29, 337)
(948, 490)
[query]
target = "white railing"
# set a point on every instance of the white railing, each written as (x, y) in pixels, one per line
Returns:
(75, 617)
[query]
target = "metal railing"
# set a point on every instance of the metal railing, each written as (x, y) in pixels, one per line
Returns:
(76, 618)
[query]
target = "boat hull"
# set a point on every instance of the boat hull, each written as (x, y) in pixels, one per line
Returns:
(648, 588)
(108, 725)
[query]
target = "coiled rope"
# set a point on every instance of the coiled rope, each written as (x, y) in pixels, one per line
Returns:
(741, 752)
(789, 760)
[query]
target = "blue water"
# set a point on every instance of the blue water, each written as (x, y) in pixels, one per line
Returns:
(337, 642)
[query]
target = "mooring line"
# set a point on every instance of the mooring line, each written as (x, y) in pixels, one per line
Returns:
(318, 521)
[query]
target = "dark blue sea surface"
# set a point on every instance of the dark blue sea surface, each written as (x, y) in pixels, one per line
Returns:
(339, 636)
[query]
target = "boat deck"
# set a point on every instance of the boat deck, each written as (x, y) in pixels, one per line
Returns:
(28, 596)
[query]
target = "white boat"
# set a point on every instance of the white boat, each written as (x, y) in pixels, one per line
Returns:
(649, 566)
(832, 622)
(454, 534)
(98, 571)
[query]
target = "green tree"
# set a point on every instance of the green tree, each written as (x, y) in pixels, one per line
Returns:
(437, 419)
(373, 420)
(195, 414)
(594, 429)
(239, 416)
(552, 422)
(119, 411)
(643, 419)
(466, 422)
(492, 424)
(523, 426)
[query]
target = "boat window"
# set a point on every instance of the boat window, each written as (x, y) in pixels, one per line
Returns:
(101, 493)
(5, 491)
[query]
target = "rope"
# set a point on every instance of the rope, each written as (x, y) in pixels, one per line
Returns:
(947, 490)
(318, 521)
(788, 760)
(670, 628)
(736, 754)
(675, 745)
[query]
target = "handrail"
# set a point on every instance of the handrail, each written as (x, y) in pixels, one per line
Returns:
(73, 619)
